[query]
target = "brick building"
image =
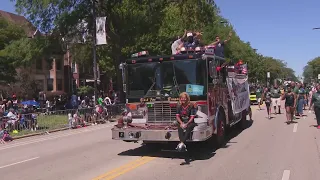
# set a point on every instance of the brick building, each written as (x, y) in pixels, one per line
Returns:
(49, 76)
(59, 74)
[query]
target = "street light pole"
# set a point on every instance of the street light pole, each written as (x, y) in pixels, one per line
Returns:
(94, 52)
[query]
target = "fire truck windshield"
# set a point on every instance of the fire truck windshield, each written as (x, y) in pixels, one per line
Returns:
(170, 78)
(142, 78)
(185, 76)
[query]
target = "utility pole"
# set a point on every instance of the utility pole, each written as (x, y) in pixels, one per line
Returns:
(94, 52)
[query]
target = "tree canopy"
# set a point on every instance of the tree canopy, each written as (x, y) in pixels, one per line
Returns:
(9, 33)
(311, 70)
(135, 25)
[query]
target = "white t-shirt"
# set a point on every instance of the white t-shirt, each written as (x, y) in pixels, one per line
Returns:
(48, 104)
(175, 45)
(107, 100)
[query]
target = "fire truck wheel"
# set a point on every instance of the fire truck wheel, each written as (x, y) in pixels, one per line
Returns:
(221, 131)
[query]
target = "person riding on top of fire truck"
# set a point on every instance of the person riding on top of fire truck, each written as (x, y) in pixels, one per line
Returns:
(219, 45)
(176, 44)
(193, 40)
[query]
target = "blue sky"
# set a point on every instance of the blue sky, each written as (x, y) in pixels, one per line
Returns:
(278, 28)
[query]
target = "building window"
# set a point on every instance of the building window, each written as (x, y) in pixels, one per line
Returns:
(39, 64)
(49, 84)
(58, 64)
(49, 64)
(59, 84)
(74, 86)
(74, 67)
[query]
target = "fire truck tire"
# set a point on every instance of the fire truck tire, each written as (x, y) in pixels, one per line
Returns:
(220, 137)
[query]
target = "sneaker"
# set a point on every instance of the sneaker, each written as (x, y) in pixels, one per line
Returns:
(181, 147)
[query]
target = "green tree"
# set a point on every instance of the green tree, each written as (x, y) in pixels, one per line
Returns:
(312, 69)
(8, 34)
(85, 90)
(135, 25)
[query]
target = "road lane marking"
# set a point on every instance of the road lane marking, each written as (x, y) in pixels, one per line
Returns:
(125, 168)
(131, 163)
(32, 141)
(286, 175)
(131, 168)
(295, 127)
(1, 167)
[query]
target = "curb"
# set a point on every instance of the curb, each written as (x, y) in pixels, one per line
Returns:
(39, 133)
(51, 131)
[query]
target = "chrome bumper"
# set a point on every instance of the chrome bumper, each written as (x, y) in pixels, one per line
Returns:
(199, 133)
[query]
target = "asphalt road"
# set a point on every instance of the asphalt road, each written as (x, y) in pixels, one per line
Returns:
(266, 150)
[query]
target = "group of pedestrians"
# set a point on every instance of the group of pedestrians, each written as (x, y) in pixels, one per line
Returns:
(296, 97)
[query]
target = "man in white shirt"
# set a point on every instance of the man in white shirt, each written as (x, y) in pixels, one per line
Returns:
(175, 45)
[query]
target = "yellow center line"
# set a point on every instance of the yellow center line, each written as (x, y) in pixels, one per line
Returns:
(130, 168)
(124, 168)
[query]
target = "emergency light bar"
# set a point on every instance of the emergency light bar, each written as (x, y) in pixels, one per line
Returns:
(190, 49)
(140, 54)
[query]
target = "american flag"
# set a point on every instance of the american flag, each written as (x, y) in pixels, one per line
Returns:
(244, 69)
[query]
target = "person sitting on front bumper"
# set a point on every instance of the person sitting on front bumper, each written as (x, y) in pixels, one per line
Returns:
(185, 115)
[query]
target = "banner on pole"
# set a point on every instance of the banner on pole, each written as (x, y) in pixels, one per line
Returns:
(101, 30)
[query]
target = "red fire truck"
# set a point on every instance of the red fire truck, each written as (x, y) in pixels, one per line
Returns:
(219, 89)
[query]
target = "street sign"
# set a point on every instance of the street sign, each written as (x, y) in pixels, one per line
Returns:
(318, 76)
(268, 74)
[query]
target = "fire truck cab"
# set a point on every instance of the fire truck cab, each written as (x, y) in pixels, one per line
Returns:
(152, 85)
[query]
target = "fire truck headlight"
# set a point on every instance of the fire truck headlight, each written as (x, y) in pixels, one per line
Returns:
(131, 135)
(127, 119)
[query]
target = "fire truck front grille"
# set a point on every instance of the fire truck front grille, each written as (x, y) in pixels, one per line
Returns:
(161, 113)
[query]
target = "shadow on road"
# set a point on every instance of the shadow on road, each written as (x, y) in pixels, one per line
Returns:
(313, 126)
(197, 151)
